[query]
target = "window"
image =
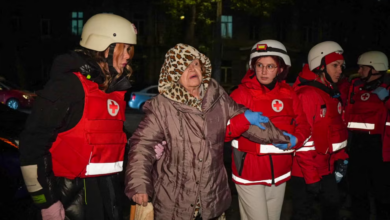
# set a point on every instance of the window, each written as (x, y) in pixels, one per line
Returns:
(254, 33)
(15, 23)
(227, 26)
(226, 72)
(139, 22)
(45, 27)
(77, 22)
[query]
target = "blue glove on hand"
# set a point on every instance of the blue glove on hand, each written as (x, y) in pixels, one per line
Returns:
(293, 141)
(381, 92)
(255, 118)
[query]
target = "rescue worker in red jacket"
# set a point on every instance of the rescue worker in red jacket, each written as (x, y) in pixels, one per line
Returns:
(313, 164)
(262, 171)
(72, 148)
(368, 120)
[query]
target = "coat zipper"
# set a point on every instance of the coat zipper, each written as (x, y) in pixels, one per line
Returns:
(272, 169)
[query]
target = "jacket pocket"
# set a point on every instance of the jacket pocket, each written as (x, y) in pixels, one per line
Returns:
(107, 153)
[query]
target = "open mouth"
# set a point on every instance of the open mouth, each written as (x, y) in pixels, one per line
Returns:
(194, 76)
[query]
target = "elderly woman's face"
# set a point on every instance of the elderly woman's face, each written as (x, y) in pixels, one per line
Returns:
(192, 76)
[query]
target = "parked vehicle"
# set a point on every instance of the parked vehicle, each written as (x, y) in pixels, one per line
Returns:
(14, 97)
(137, 99)
(15, 201)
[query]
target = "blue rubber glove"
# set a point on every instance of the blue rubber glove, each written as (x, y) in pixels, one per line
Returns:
(255, 118)
(381, 92)
(293, 141)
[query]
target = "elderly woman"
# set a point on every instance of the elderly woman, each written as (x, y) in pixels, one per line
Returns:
(191, 114)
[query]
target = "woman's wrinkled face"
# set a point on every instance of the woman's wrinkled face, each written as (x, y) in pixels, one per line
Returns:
(122, 54)
(334, 70)
(266, 70)
(192, 76)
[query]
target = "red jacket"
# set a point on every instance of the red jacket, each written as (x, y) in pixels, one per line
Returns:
(96, 145)
(266, 164)
(324, 115)
(366, 112)
(343, 85)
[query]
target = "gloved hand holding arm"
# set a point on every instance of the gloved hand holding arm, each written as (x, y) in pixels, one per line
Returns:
(293, 142)
(255, 118)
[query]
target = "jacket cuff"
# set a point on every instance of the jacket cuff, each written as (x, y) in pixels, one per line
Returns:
(42, 199)
(300, 140)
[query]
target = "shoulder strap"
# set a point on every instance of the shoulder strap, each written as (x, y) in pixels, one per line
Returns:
(334, 93)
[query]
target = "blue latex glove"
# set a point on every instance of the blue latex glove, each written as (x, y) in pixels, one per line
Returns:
(255, 118)
(381, 92)
(293, 141)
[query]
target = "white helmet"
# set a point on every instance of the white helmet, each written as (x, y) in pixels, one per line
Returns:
(101, 30)
(320, 50)
(269, 48)
(376, 59)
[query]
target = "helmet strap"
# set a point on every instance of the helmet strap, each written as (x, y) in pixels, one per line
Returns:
(110, 59)
(370, 73)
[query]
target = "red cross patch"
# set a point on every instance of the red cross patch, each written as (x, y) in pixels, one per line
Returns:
(339, 107)
(365, 96)
(277, 105)
(112, 107)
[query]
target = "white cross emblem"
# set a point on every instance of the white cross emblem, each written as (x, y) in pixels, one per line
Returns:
(365, 96)
(277, 105)
(339, 107)
(112, 107)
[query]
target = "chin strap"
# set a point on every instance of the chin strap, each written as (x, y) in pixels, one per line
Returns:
(110, 60)
(370, 73)
(327, 76)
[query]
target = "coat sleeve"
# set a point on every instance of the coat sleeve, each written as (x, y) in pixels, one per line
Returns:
(253, 133)
(61, 101)
(306, 154)
(141, 157)
(237, 123)
(303, 129)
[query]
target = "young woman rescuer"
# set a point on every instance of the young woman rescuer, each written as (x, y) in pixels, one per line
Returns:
(261, 172)
(314, 164)
(72, 148)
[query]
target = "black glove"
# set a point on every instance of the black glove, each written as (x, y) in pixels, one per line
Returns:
(314, 188)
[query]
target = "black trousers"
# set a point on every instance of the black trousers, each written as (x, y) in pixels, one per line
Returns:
(367, 174)
(303, 201)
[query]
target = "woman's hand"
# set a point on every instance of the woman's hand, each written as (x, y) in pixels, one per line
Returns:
(141, 199)
(54, 212)
(159, 149)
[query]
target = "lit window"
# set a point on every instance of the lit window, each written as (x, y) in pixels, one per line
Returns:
(227, 26)
(45, 27)
(77, 22)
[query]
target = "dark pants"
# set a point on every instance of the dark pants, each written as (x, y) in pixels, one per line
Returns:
(304, 202)
(368, 174)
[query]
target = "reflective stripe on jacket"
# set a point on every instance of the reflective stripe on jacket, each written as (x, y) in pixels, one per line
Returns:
(264, 163)
(366, 112)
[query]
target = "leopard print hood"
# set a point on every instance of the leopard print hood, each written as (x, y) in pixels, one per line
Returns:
(176, 61)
